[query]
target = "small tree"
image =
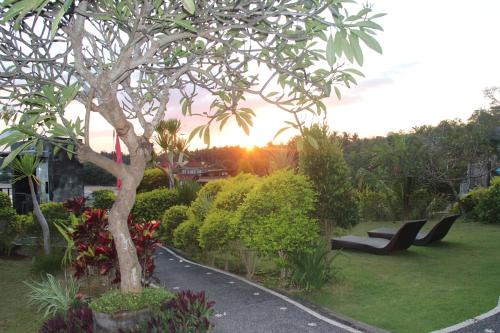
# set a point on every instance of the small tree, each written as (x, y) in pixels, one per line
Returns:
(25, 167)
(171, 144)
(275, 217)
(330, 174)
(217, 233)
(126, 60)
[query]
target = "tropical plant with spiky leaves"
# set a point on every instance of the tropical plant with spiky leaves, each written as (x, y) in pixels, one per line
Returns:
(25, 168)
(167, 137)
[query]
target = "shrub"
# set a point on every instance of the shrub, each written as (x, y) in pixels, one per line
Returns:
(5, 200)
(312, 269)
(191, 312)
(202, 203)
(188, 312)
(115, 301)
(186, 235)
(216, 231)
(331, 177)
(275, 216)
(54, 211)
(47, 263)
(468, 202)
(375, 206)
(7, 231)
(103, 199)
(153, 179)
(78, 319)
(151, 205)
(172, 217)
(51, 296)
(487, 209)
(75, 205)
(24, 225)
(234, 191)
(188, 191)
(439, 203)
(419, 202)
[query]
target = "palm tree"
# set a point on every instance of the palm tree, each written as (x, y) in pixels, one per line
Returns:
(167, 138)
(25, 166)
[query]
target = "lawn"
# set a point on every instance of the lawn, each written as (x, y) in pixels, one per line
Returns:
(423, 288)
(15, 315)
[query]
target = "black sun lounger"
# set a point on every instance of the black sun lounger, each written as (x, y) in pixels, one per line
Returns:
(401, 240)
(437, 233)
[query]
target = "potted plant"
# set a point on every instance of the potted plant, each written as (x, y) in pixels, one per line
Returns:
(115, 311)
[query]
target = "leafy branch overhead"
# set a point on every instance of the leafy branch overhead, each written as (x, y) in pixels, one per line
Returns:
(134, 61)
(291, 54)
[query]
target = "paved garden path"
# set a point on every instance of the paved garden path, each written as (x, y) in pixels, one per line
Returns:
(241, 306)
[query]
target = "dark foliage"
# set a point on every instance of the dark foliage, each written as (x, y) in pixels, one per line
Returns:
(188, 312)
(78, 319)
(153, 179)
(5, 200)
(93, 175)
(76, 205)
(7, 232)
(188, 191)
(95, 246)
(50, 263)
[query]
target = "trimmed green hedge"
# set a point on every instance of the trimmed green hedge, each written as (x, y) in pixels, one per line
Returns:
(172, 218)
(152, 205)
(54, 211)
(153, 179)
(103, 199)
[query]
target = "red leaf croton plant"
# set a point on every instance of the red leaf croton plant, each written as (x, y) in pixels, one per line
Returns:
(95, 246)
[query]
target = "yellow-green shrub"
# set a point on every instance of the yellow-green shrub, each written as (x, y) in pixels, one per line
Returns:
(152, 205)
(172, 218)
(275, 216)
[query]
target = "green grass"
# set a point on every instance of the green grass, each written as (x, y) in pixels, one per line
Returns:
(423, 288)
(15, 315)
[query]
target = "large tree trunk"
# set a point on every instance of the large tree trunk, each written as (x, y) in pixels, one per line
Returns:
(41, 219)
(130, 175)
(130, 269)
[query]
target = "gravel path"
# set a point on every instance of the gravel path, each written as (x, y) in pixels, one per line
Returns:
(241, 306)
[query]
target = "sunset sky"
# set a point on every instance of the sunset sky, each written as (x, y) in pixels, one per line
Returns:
(438, 57)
